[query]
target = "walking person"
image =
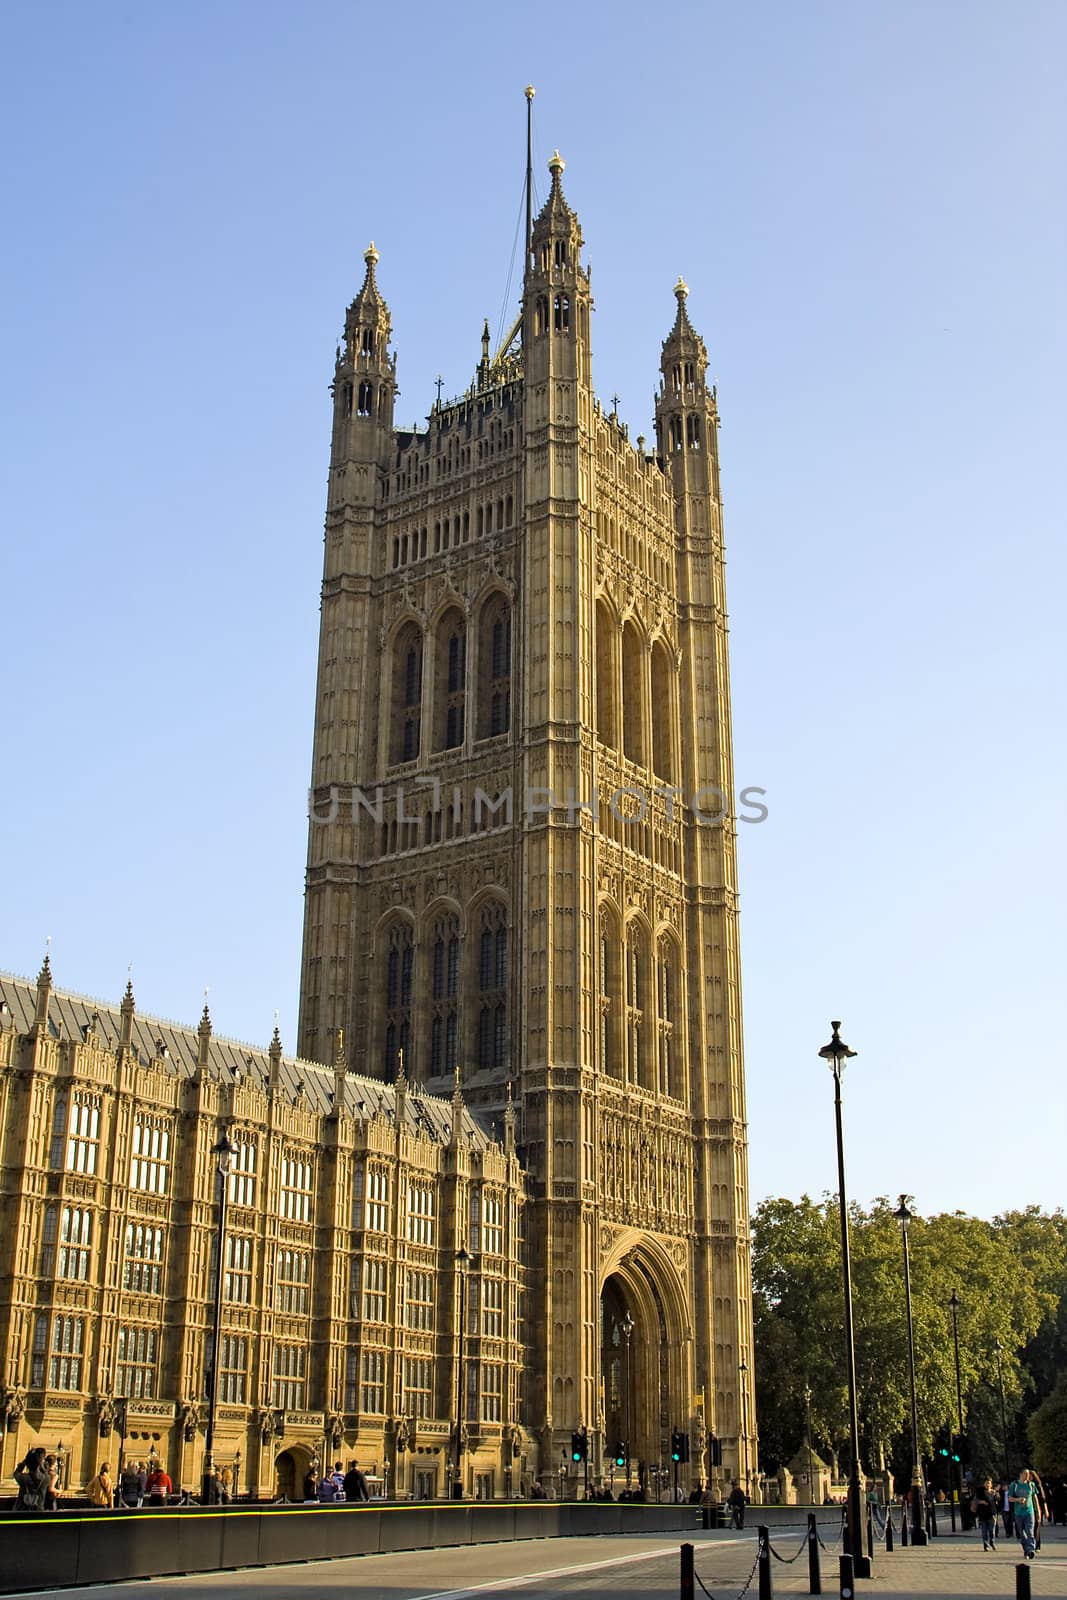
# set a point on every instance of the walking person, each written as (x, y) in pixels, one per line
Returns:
(31, 1475)
(984, 1506)
(1021, 1500)
(354, 1484)
(100, 1489)
(737, 1501)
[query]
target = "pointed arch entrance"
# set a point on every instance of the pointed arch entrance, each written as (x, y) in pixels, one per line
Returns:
(645, 1358)
(291, 1467)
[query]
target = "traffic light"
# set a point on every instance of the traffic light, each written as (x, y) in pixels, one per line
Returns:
(621, 1451)
(943, 1444)
(676, 1445)
(962, 1448)
(579, 1445)
(715, 1447)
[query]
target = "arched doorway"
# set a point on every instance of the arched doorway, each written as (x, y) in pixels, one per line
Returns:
(645, 1356)
(290, 1470)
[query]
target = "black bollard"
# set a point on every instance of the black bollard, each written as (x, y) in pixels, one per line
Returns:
(766, 1588)
(904, 1528)
(1022, 1581)
(814, 1575)
(845, 1581)
(932, 1518)
(870, 1532)
(688, 1588)
(888, 1529)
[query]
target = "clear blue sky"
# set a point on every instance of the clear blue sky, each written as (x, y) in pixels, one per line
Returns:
(868, 205)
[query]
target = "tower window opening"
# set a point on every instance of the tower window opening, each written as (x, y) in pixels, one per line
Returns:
(494, 669)
(365, 403)
(692, 432)
(367, 343)
(560, 252)
(347, 399)
(561, 313)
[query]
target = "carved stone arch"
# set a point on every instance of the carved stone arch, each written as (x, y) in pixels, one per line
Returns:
(488, 978)
(393, 984)
(651, 1371)
(447, 643)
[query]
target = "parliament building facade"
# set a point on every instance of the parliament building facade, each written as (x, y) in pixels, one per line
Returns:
(501, 1193)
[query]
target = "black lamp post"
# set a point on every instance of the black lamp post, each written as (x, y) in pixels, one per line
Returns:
(807, 1414)
(918, 1520)
(1003, 1415)
(836, 1053)
(742, 1373)
(628, 1326)
(954, 1306)
(462, 1264)
(223, 1153)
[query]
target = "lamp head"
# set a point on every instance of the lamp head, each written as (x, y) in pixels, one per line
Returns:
(902, 1214)
(954, 1303)
(837, 1051)
(224, 1153)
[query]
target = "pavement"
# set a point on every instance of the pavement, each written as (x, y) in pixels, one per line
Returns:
(619, 1568)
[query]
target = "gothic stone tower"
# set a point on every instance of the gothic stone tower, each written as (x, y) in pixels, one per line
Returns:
(522, 864)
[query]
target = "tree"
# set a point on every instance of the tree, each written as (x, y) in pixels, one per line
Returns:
(1006, 1275)
(1048, 1432)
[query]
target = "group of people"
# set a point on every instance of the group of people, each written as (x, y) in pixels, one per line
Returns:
(1020, 1507)
(139, 1483)
(336, 1487)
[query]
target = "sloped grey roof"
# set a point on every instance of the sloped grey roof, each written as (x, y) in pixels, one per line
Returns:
(70, 1016)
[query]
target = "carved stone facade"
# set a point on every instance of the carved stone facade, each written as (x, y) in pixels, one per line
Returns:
(347, 1203)
(522, 862)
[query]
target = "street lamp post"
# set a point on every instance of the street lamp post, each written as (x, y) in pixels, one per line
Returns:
(223, 1153)
(807, 1414)
(836, 1053)
(462, 1264)
(742, 1373)
(918, 1521)
(954, 1306)
(1003, 1415)
(628, 1326)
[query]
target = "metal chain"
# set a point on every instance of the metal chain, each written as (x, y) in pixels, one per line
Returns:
(788, 1560)
(830, 1548)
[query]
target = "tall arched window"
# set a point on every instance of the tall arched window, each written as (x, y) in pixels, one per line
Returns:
(444, 996)
(450, 681)
(398, 982)
(633, 695)
(494, 668)
(610, 997)
(606, 635)
(492, 988)
(406, 694)
(663, 718)
(642, 1069)
(667, 1007)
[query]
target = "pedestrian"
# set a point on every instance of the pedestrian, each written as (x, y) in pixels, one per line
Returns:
(737, 1500)
(338, 1477)
(100, 1489)
(327, 1490)
(311, 1484)
(1005, 1509)
(159, 1486)
(223, 1486)
(132, 1484)
(1021, 1499)
(51, 1496)
(984, 1506)
(354, 1484)
(31, 1475)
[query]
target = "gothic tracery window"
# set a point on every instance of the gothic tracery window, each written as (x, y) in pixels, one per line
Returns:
(399, 977)
(494, 669)
(406, 694)
(492, 988)
(444, 996)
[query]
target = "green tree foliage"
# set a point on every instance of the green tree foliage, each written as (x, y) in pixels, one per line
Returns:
(1010, 1277)
(1048, 1432)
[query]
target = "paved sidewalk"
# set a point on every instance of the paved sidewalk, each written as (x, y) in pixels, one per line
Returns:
(953, 1565)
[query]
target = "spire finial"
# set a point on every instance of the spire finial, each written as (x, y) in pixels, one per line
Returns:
(371, 256)
(556, 166)
(681, 289)
(530, 91)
